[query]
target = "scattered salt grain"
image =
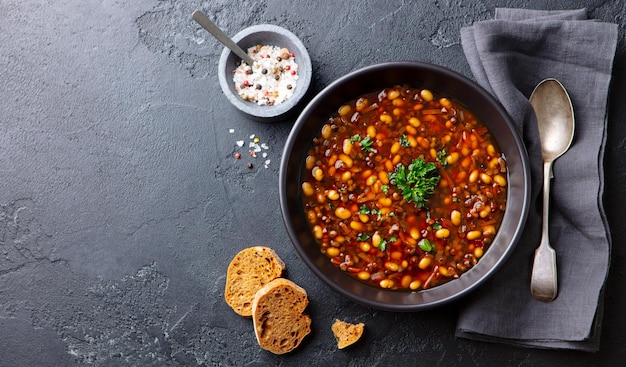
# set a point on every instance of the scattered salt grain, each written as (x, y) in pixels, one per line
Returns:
(254, 146)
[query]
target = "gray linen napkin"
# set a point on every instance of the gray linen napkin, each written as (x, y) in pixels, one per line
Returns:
(509, 56)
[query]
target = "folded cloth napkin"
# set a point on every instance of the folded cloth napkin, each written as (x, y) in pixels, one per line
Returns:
(509, 56)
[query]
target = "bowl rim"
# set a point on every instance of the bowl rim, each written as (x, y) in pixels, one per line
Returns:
(441, 294)
(267, 113)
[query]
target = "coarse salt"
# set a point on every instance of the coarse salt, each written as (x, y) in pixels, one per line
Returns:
(271, 79)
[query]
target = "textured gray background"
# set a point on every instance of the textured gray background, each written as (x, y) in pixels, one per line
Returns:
(121, 203)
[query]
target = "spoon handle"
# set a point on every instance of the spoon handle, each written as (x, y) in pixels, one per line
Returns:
(212, 28)
(543, 281)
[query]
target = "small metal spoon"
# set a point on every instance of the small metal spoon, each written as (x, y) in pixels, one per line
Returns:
(212, 28)
(555, 119)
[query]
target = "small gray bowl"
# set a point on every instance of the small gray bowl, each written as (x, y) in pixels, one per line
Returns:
(266, 34)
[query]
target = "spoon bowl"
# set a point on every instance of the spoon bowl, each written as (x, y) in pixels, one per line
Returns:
(555, 116)
(555, 120)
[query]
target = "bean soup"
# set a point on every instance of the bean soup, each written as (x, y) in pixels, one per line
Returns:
(404, 188)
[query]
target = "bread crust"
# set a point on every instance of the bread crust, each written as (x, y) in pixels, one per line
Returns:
(249, 271)
(280, 323)
(346, 333)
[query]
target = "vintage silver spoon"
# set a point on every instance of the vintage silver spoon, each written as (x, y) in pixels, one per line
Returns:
(555, 119)
(212, 28)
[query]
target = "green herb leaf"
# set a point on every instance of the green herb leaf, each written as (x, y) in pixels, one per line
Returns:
(384, 189)
(354, 138)
(366, 144)
(404, 141)
(363, 237)
(416, 182)
(425, 245)
(364, 210)
(437, 226)
(442, 157)
(382, 245)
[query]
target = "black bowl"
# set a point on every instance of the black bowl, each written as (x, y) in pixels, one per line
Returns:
(375, 78)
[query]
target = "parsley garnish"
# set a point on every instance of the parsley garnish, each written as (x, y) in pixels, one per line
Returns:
(364, 210)
(377, 212)
(437, 226)
(425, 245)
(404, 141)
(382, 245)
(363, 237)
(442, 157)
(416, 181)
(366, 144)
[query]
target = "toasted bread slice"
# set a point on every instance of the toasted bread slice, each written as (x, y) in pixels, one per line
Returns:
(250, 270)
(346, 333)
(278, 316)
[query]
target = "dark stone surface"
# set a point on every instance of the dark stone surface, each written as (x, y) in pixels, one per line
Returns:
(121, 203)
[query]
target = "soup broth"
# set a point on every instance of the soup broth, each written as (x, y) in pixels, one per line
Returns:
(404, 188)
